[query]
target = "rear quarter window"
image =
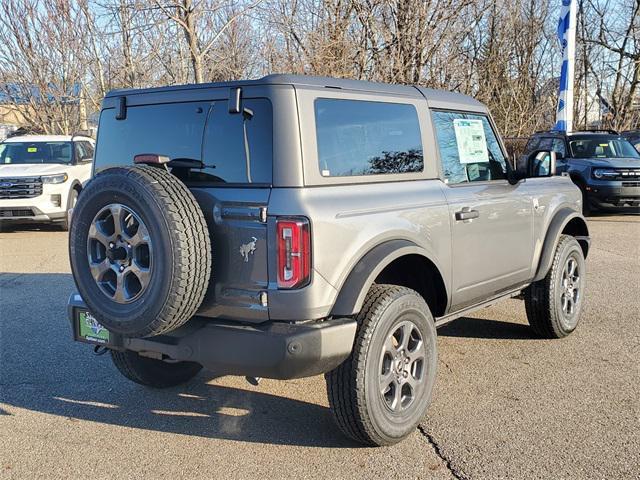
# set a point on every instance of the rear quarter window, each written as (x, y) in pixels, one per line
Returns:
(357, 137)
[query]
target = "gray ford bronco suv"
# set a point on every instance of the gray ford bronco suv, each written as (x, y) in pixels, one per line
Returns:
(292, 226)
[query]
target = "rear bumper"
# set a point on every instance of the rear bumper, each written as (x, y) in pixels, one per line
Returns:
(271, 350)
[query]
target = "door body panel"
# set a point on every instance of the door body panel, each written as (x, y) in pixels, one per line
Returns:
(492, 252)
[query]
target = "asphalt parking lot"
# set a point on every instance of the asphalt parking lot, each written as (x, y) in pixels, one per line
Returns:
(506, 405)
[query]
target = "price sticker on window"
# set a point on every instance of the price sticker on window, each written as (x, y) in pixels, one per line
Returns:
(472, 143)
(32, 149)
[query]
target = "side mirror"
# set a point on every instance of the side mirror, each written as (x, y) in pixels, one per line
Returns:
(541, 163)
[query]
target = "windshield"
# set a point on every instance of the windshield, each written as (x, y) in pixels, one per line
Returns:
(602, 146)
(35, 152)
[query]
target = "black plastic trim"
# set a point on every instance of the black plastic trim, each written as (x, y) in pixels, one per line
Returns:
(271, 350)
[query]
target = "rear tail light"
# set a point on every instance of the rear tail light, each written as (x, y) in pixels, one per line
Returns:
(294, 252)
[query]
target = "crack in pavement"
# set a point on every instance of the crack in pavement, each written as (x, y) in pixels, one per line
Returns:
(457, 474)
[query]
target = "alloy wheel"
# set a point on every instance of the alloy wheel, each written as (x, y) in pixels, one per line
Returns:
(119, 252)
(402, 367)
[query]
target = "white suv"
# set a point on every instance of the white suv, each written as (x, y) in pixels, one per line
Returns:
(42, 176)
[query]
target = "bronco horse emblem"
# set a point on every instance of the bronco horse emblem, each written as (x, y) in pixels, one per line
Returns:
(248, 249)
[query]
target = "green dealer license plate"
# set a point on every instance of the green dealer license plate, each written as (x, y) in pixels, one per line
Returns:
(89, 330)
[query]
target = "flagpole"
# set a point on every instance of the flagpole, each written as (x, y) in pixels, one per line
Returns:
(567, 37)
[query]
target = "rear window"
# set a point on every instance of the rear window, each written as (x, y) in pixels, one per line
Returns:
(367, 138)
(35, 152)
(178, 131)
(238, 148)
(174, 130)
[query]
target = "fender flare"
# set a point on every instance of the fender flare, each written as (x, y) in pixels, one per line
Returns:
(552, 237)
(363, 274)
(75, 184)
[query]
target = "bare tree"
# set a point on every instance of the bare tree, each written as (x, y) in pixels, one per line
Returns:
(41, 69)
(615, 59)
(199, 22)
(59, 56)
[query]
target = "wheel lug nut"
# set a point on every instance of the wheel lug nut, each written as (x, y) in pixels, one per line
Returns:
(111, 245)
(122, 268)
(405, 374)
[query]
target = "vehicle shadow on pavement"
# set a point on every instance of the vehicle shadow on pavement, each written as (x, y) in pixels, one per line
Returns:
(43, 370)
(197, 409)
(484, 328)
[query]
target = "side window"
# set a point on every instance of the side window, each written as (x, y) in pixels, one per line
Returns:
(358, 137)
(559, 147)
(238, 148)
(171, 129)
(79, 151)
(88, 148)
(546, 143)
(532, 144)
(469, 148)
(84, 151)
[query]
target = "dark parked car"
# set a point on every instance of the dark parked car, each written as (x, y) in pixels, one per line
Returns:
(603, 163)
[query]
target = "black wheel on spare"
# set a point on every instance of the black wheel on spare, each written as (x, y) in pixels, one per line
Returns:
(151, 372)
(554, 303)
(140, 251)
(382, 391)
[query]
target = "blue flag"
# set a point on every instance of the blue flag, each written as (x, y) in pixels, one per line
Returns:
(567, 38)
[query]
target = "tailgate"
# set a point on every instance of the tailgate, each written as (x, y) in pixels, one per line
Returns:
(236, 218)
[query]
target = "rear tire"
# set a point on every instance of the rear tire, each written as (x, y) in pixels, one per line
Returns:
(153, 373)
(554, 303)
(382, 391)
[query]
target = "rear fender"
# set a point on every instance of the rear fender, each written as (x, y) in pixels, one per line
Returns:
(355, 288)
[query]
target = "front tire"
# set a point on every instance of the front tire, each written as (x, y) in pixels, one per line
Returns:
(554, 303)
(382, 391)
(153, 373)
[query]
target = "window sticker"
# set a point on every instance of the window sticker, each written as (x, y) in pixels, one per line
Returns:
(472, 144)
(32, 150)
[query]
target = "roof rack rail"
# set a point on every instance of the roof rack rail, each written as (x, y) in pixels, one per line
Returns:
(548, 131)
(586, 130)
(81, 133)
(598, 130)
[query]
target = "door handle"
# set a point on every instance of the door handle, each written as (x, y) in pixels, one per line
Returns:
(467, 214)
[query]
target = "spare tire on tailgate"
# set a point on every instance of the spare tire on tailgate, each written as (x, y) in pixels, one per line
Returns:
(140, 251)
